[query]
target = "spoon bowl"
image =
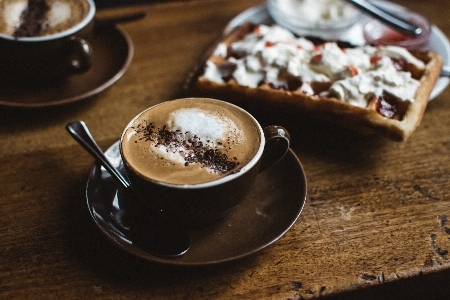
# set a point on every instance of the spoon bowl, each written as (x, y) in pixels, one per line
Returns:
(147, 228)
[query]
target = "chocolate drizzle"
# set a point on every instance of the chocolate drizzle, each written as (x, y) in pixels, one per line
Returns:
(189, 145)
(32, 20)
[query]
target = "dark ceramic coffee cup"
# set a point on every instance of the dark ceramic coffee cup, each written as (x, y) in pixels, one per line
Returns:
(204, 202)
(49, 59)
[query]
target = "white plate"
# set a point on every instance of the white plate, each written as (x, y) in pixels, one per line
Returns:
(438, 41)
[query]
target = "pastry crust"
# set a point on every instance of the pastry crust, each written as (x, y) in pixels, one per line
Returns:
(365, 120)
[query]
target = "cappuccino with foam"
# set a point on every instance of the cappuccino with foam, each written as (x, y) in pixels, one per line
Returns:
(190, 141)
(33, 18)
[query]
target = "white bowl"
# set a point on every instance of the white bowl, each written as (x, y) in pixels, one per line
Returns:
(307, 22)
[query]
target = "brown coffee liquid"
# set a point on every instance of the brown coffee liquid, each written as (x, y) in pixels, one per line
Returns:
(190, 141)
(32, 18)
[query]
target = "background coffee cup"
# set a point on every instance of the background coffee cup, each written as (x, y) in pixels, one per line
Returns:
(48, 59)
(206, 202)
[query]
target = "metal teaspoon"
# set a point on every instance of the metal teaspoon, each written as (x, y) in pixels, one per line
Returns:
(148, 229)
(398, 23)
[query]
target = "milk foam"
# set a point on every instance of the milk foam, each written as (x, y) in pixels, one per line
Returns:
(11, 15)
(201, 123)
(59, 13)
(190, 141)
(198, 125)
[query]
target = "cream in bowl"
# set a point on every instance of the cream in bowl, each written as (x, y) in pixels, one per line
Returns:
(321, 18)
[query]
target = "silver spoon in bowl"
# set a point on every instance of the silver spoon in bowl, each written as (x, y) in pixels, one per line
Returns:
(394, 21)
(148, 229)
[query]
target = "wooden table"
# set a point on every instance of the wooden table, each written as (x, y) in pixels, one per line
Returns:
(369, 228)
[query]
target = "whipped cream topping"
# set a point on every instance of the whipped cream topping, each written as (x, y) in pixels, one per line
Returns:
(273, 55)
(357, 90)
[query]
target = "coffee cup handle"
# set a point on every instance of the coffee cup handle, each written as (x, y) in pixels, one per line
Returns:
(277, 144)
(81, 59)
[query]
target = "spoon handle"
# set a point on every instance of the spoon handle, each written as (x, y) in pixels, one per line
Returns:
(148, 229)
(445, 71)
(398, 23)
(81, 134)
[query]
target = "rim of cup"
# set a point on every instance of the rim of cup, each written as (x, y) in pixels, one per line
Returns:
(216, 182)
(90, 15)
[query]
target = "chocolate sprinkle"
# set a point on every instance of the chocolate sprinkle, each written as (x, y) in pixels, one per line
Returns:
(193, 148)
(368, 277)
(32, 19)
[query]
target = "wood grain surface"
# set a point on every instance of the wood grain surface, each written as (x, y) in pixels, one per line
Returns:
(373, 226)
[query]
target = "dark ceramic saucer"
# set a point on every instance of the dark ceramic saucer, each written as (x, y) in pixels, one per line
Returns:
(268, 212)
(113, 52)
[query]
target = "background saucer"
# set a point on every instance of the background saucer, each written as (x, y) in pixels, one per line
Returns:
(113, 52)
(268, 212)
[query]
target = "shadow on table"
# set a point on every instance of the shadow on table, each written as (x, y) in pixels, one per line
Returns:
(126, 271)
(314, 139)
(431, 286)
(87, 246)
(27, 118)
